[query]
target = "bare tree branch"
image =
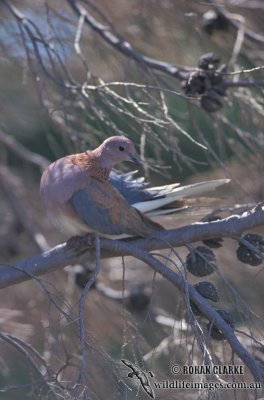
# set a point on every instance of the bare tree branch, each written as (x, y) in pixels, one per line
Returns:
(9, 189)
(91, 281)
(206, 309)
(118, 42)
(23, 152)
(35, 360)
(113, 38)
(236, 22)
(70, 252)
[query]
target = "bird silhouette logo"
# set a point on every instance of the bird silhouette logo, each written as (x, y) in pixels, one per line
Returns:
(141, 376)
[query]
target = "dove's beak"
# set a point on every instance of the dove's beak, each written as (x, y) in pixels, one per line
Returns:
(135, 159)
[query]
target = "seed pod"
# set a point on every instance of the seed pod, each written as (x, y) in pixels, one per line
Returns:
(213, 20)
(209, 61)
(207, 290)
(201, 261)
(197, 83)
(211, 101)
(247, 256)
(138, 301)
(214, 332)
(214, 243)
(220, 89)
(195, 309)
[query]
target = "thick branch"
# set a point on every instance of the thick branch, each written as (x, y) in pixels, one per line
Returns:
(230, 227)
(180, 282)
(119, 43)
(109, 34)
(65, 254)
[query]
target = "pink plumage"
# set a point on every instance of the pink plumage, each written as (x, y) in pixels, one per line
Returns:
(81, 197)
(77, 194)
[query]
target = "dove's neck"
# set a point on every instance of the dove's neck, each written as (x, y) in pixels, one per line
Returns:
(93, 164)
(101, 165)
(102, 159)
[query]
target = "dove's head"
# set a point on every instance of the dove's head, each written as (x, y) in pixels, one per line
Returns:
(117, 149)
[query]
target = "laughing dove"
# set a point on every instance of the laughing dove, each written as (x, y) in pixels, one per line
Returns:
(82, 194)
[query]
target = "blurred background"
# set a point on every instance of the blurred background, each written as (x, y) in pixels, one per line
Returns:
(65, 89)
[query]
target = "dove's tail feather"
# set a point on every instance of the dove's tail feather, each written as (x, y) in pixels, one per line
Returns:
(151, 225)
(170, 198)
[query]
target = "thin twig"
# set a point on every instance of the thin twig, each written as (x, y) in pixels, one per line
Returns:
(124, 47)
(203, 305)
(236, 23)
(23, 152)
(91, 281)
(20, 346)
(20, 212)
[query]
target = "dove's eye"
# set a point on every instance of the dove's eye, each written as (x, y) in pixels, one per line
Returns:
(121, 148)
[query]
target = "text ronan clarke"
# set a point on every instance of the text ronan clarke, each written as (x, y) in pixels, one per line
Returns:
(213, 369)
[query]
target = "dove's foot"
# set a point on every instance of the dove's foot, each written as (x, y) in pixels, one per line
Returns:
(81, 242)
